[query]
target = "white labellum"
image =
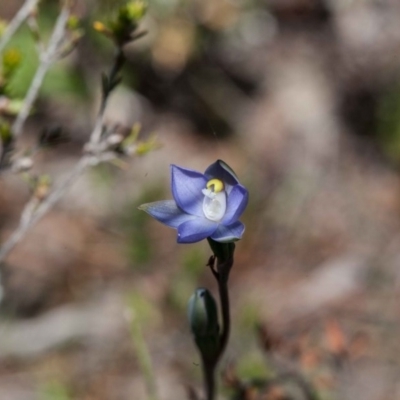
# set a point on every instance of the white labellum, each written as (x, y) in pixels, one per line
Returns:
(214, 204)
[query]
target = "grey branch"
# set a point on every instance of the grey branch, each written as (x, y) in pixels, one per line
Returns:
(16, 22)
(46, 59)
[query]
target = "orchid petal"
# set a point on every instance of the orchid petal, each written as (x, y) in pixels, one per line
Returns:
(228, 233)
(187, 188)
(167, 212)
(236, 204)
(196, 230)
(224, 172)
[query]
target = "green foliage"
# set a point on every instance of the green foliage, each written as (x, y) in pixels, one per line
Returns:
(22, 41)
(179, 292)
(11, 61)
(3, 27)
(132, 11)
(5, 132)
(135, 224)
(144, 147)
(140, 247)
(248, 316)
(251, 365)
(193, 263)
(55, 390)
(183, 282)
(9, 68)
(61, 81)
(103, 175)
(122, 26)
(143, 311)
(73, 22)
(388, 122)
(163, 8)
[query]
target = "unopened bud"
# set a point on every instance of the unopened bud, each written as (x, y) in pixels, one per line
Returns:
(203, 319)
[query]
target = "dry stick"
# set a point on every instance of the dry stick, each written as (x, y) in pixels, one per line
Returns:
(16, 22)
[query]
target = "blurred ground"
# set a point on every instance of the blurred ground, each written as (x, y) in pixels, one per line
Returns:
(302, 99)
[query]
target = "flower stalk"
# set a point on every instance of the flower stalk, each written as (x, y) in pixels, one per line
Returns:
(211, 341)
(223, 258)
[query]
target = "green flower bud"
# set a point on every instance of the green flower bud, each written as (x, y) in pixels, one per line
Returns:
(122, 26)
(127, 20)
(11, 61)
(134, 10)
(73, 22)
(203, 319)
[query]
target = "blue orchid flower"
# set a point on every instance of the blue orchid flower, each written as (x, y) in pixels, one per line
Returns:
(205, 205)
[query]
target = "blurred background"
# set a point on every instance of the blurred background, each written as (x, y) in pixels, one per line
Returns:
(302, 99)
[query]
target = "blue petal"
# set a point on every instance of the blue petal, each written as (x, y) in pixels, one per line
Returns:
(167, 212)
(196, 230)
(222, 171)
(228, 233)
(187, 188)
(236, 204)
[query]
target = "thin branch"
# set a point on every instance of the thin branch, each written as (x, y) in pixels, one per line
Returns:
(16, 22)
(112, 79)
(46, 59)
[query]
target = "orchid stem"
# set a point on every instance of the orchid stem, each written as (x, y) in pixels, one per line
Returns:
(209, 378)
(221, 273)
